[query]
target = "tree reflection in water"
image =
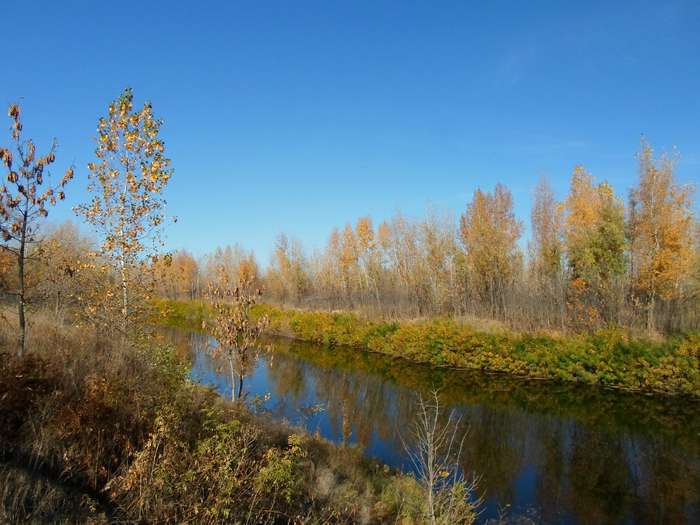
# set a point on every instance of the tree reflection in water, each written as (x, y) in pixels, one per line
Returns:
(573, 454)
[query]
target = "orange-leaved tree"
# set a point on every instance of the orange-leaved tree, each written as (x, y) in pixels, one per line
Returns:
(178, 275)
(595, 249)
(24, 201)
(490, 231)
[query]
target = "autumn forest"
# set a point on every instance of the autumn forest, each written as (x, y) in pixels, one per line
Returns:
(594, 259)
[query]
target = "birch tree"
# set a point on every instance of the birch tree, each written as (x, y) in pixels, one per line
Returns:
(661, 232)
(127, 180)
(547, 250)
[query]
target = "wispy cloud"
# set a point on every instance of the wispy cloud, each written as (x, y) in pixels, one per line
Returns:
(543, 144)
(515, 63)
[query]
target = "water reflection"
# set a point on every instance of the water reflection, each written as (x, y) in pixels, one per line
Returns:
(567, 454)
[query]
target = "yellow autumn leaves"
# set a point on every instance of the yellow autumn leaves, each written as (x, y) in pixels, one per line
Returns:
(126, 182)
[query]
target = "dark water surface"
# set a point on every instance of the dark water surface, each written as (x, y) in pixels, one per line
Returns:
(556, 453)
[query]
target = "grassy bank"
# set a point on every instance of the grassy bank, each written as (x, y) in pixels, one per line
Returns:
(608, 358)
(91, 432)
(594, 407)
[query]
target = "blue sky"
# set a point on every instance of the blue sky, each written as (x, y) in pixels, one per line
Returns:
(298, 116)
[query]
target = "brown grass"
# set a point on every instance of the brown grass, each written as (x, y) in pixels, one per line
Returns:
(91, 432)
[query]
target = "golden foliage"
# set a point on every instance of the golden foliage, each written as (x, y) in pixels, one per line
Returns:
(489, 232)
(595, 246)
(127, 209)
(661, 230)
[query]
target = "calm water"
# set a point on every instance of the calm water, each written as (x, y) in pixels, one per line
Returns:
(554, 453)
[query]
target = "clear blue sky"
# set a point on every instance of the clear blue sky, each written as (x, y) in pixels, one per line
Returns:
(297, 116)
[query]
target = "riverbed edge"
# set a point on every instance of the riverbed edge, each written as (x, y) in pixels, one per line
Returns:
(609, 358)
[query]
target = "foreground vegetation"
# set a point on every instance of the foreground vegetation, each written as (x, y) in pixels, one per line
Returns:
(608, 358)
(93, 432)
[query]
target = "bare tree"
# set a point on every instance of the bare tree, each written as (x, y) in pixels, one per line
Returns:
(449, 497)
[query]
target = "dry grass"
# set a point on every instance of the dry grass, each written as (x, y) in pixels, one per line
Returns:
(30, 497)
(90, 430)
(44, 335)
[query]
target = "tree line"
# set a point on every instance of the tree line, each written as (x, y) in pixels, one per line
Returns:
(593, 260)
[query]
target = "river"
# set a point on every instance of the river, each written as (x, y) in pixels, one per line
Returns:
(549, 452)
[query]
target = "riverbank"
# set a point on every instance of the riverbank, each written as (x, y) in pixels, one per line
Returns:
(602, 453)
(92, 432)
(609, 358)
